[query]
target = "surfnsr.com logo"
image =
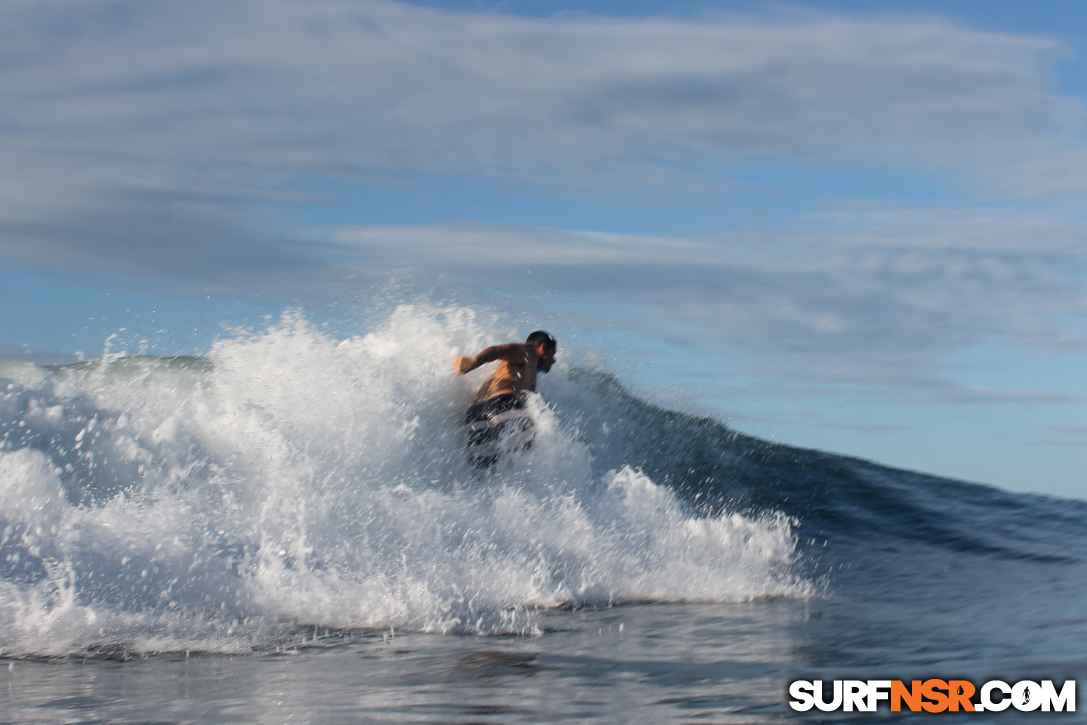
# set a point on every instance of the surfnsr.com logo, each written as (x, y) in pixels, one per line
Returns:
(933, 696)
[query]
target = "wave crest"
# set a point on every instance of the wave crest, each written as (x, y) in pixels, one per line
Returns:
(293, 479)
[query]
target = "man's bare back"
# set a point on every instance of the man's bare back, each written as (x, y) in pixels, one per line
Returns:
(517, 366)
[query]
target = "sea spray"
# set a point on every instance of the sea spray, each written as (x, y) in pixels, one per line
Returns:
(291, 479)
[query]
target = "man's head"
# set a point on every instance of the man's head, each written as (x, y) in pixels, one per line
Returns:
(545, 346)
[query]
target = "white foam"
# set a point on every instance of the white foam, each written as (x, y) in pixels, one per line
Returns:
(311, 481)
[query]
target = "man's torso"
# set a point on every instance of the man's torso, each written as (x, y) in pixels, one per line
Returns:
(510, 378)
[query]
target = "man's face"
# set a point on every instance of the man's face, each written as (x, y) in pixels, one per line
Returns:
(544, 358)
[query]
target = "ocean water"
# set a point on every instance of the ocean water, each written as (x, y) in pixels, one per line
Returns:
(287, 530)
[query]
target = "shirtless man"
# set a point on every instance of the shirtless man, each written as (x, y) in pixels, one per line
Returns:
(499, 407)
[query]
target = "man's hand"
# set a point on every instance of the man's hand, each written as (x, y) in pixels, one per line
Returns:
(463, 365)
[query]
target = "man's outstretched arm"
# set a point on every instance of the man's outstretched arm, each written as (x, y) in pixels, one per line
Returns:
(513, 352)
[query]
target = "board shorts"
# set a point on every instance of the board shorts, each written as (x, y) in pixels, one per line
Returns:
(497, 426)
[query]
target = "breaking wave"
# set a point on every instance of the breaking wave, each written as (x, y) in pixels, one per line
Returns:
(291, 481)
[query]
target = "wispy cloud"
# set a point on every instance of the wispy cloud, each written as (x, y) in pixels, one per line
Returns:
(141, 138)
(1063, 436)
(832, 308)
(165, 240)
(232, 100)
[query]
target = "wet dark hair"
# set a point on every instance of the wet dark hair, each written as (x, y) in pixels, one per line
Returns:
(541, 338)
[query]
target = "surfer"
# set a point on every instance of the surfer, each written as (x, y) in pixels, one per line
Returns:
(499, 407)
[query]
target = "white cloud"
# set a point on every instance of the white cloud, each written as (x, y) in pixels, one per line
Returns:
(496, 246)
(1069, 436)
(832, 309)
(138, 137)
(233, 99)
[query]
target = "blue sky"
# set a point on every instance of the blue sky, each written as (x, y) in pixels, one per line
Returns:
(851, 226)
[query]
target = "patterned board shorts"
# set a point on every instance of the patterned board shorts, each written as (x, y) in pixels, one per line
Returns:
(497, 426)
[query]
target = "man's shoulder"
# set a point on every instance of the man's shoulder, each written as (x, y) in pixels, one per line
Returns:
(515, 351)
